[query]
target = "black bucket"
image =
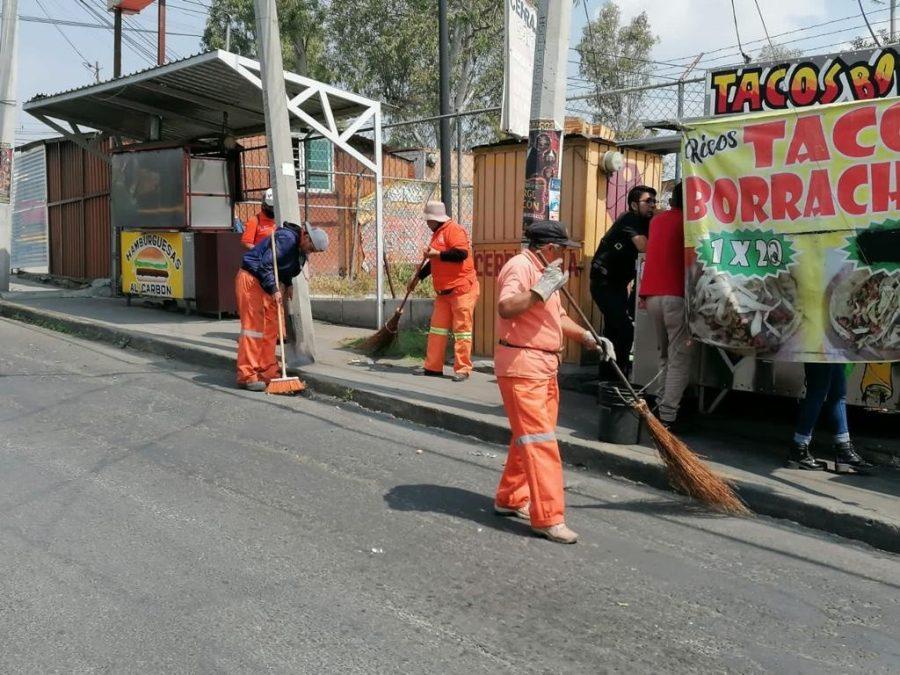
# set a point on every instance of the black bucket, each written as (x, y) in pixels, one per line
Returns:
(619, 423)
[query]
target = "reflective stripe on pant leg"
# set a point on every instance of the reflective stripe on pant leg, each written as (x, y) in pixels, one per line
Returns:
(249, 295)
(437, 334)
(268, 363)
(529, 406)
(463, 306)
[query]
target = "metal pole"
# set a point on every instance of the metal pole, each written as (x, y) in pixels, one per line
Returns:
(282, 173)
(161, 33)
(228, 33)
(8, 29)
(117, 43)
(543, 161)
(379, 225)
(893, 16)
(680, 115)
(444, 58)
(459, 152)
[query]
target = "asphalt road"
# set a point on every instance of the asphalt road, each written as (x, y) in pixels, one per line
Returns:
(154, 518)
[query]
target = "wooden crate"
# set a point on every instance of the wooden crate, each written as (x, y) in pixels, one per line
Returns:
(589, 203)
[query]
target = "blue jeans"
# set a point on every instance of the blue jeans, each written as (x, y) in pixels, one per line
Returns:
(826, 390)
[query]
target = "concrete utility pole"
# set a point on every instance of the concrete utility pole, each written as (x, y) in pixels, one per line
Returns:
(161, 32)
(548, 104)
(444, 68)
(8, 28)
(282, 172)
(893, 16)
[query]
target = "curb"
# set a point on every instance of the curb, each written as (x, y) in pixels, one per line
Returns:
(762, 501)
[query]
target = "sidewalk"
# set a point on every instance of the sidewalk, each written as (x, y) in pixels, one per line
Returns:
(859, 507)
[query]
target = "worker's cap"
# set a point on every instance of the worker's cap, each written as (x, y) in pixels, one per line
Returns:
(436, 211)
(542, 232)
(269, 198)
(318, 237)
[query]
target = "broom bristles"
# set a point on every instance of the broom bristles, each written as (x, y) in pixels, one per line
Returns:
(381, 340)
(285, 385)
(686, 472)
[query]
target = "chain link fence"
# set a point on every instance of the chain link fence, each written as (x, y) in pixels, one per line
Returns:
(337, 193)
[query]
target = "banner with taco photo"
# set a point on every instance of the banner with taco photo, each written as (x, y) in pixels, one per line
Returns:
(794, 218)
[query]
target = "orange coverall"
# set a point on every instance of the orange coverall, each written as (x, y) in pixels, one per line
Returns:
(526, 362)
(259, 331)
(258, 227)
(456, 288)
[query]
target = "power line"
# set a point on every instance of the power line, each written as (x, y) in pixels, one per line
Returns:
(85, 24)
(65, 37)
(737, 33)
(765, 29)
(868, 25)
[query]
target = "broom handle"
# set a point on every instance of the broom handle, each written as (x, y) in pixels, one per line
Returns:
(587, 323)
(280, 315)
(408, 289)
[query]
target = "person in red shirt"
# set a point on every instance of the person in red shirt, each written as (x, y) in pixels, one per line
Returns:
(261, 225)
(452, 270)
(662, 289)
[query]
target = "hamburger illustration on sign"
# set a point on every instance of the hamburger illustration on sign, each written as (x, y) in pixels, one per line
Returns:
(152, 264)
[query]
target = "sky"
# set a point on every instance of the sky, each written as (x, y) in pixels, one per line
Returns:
(48, 63)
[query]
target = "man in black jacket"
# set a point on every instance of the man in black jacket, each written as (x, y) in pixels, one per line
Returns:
(613, 269)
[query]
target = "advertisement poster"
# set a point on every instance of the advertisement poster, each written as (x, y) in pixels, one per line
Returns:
(810, 81)
(542, 165)
(6, 157)
(520, 31)
(153, 264)
(795, 222)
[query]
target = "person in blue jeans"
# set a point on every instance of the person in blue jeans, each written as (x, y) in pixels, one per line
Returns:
(826, 390)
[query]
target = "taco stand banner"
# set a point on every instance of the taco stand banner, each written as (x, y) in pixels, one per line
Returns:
(794, 218)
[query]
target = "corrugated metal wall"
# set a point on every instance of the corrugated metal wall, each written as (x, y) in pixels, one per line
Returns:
(30, 249)
(78, 209)
(590, 201)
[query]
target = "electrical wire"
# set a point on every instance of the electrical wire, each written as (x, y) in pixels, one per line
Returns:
(765, 29)
(737, 33)
(65, 37)
(866, 19)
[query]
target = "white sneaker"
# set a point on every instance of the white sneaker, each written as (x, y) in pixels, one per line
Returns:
(523, 512)
(558, 533)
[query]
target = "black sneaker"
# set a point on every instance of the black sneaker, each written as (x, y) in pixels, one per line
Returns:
(427, 373)
(799, 457)
(847, 460)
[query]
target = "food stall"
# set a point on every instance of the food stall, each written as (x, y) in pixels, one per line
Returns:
(791, 218)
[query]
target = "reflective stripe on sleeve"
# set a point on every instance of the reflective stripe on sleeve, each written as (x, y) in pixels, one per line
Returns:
(536, 438)
(439, 331)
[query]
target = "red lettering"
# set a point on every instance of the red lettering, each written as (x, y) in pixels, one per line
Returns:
(725, 200)
(489, 265)
(885, 192)
(479, 261)
(808, 142)
(786, 191)
(884, 72)
(862, 85)
(846, 132)
(498, 263)
(722, 83)
(748, 91)
(890, 127)
(763, 137)
(697, 192)
(847, 185)
(819, 201)
(754, 195)
(832, 85)
(774, 97)
(804, 86)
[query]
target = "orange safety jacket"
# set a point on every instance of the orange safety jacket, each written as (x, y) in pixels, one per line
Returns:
(449, 274)
(258, 227)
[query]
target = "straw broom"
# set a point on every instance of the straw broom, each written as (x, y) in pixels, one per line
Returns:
(381, 340)
(686, 472)
(283, 385)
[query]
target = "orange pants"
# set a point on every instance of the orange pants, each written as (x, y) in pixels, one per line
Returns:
(452, 311)
(533, 471)
(259, 330)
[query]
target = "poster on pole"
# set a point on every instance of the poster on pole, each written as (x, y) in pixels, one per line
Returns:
(6, 161)
(520, 31)
(794, 218)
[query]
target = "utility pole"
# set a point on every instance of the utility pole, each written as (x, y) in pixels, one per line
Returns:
(227, 33)
(444, 63)
(548, 102)
(161, 32)
(8, 28)
(282, 173)
(893, 16)
(117, 42)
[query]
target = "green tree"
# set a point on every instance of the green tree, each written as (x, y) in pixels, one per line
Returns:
(615, 56)
(388, 50)
(302, 28)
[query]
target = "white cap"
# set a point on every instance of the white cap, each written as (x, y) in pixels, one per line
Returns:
(269, 199)
(318, 237)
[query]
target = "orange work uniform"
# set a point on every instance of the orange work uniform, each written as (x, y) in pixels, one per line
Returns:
(526, 362)
(258, 227)
(259, 331)
(456, 288)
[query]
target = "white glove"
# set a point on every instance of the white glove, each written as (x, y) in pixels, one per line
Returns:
(604, 347)
(552, 279)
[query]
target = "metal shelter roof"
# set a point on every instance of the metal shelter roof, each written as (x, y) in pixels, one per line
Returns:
(208, 95)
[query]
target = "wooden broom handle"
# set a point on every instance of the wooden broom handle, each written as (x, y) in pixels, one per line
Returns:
(280, 313)
(587, 323)
(408, 289)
